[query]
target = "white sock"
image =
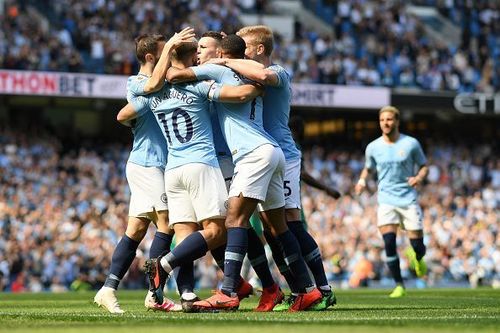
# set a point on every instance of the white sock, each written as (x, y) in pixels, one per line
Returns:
(166, 266)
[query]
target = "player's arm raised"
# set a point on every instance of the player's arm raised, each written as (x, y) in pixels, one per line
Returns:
(157, 79)
(252, 70)
(196, 73)
(236, 94)
(177, 75)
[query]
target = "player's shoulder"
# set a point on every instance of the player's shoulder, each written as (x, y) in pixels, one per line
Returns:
(214, 67)
(278, 69)
(375, 143)
(409, 139)
(136, 78)
(194, 87)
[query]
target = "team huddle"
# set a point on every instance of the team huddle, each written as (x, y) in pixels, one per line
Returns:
(212, 147)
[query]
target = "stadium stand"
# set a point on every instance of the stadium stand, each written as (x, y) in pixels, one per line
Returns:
(373, 43)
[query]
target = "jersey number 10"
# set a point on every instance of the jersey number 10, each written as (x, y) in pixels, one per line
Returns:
(175, 121)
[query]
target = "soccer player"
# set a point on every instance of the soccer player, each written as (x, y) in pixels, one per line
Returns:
(395, 157)
(257, 182)
(145, 176)
(259, 48)
(193, 179)
(208, 48)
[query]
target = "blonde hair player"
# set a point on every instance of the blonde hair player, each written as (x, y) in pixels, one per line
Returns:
(399, 162)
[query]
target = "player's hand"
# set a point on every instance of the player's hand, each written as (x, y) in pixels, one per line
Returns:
(414, 181)
(360, 186)
(333, 193)
(184, 36)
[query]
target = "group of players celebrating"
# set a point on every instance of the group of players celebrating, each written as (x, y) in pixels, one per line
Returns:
(210, 120)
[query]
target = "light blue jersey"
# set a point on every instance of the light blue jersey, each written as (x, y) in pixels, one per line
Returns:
(149, 148)
(184, 118)
(221, 148)
(241, 123)
(395, 163)
(277, 113)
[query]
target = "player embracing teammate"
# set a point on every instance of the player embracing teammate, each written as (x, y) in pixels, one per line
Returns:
(267, 168)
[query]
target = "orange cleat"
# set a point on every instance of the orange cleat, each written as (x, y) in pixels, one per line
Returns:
(219, 301)
(306, 300)
(270, 297)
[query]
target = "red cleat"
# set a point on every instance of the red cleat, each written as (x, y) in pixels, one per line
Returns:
(270, 297)
(306, 300)
(245, 289)
(219, 301)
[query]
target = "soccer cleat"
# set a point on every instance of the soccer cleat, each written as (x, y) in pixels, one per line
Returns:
(286, 304)
(270, 297)
(187, 301)
(328, 299)
(420, 267)
(156, 277)
(106, 298)
(245, 289)
(306, 300)
(398, 292)
(219, 301)
(167, 306)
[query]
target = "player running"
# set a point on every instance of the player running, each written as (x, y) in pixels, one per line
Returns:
(395, 157)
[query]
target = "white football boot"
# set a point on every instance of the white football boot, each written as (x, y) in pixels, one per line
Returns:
(106, 298)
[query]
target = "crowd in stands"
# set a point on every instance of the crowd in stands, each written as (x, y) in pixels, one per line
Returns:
(373, 42)
(63, 209)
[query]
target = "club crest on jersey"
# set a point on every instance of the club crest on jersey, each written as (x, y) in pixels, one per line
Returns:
(402, 153)
(164, 198)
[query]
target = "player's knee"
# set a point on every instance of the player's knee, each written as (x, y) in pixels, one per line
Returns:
(137, 228)
(236, 222)
(162, 223)
(215, 235)
(136, 234)
(390, 244)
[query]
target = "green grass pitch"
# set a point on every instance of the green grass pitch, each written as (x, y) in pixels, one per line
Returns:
(429, 310)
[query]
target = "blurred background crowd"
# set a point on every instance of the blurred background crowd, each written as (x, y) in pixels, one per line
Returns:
(63, 209)
(372, 42)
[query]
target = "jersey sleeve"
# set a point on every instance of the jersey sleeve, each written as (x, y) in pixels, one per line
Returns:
(139, 103)
(209, 72)
(214, 92)
(281, 73)
(203, 88)
(136, 84)
(418, 154)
